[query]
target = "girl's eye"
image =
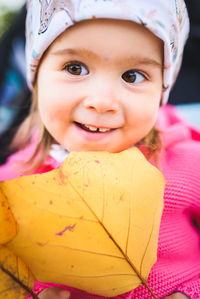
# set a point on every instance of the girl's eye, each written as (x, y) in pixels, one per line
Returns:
(133, 77)
(76, 69)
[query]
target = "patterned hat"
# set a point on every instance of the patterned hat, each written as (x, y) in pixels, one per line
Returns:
(167, 19)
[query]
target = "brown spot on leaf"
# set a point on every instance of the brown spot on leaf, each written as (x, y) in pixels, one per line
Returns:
(62, 176)
(42, 244)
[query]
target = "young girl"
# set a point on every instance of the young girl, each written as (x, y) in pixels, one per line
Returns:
(99, 71)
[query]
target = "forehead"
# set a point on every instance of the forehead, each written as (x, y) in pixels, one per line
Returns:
(108, 38)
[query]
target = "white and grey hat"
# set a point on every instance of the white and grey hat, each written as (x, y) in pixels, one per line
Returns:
(167, 19)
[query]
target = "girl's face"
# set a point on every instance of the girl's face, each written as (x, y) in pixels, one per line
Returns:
(100, 85)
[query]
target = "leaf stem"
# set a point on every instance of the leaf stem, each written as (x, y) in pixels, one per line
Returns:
(132, 266)
(19, 282)
(141, 278)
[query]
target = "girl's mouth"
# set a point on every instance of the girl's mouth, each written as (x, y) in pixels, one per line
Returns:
(92, 129)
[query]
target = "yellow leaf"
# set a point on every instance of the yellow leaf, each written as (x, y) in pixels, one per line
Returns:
(15, 277)
(92, 224)
(8, 225)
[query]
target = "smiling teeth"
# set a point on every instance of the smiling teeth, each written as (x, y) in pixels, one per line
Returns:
(93, 129)
(103, 130)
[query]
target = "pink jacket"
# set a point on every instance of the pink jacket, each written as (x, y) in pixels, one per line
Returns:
(178, 265)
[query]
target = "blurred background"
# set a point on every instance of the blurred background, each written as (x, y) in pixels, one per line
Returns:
(7, 10)
(15, 97)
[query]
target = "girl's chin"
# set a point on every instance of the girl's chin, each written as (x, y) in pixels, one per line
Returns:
(94, 148)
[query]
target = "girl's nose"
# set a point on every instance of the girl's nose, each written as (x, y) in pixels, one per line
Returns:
(102, 103)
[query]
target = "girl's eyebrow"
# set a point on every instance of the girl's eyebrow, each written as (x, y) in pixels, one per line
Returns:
(120, 60)
(77, 51)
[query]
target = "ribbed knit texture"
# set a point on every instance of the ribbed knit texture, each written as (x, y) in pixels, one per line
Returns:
(178, 265)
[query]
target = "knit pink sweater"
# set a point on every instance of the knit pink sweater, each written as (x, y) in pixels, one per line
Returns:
(178, 265)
